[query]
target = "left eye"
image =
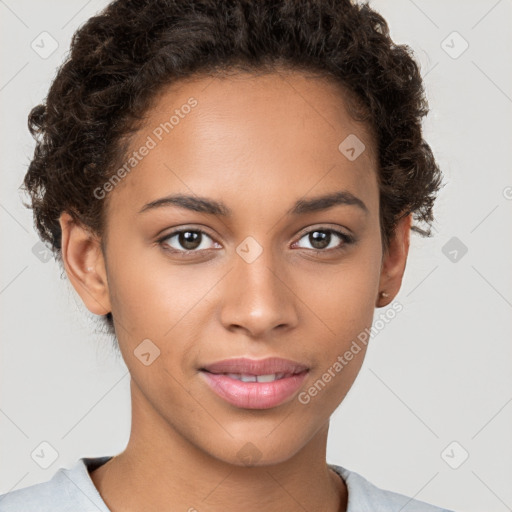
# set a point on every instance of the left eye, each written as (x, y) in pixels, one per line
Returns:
(321, 239)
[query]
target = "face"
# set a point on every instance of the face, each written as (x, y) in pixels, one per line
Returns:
(251, 264)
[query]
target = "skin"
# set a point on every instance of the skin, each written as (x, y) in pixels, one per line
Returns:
(258, 144)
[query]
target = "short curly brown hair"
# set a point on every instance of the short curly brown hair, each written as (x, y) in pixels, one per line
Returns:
(121, 58)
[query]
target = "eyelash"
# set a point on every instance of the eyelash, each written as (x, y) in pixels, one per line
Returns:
(347, 240)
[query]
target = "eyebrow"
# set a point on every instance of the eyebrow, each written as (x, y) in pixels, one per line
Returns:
(212, 207)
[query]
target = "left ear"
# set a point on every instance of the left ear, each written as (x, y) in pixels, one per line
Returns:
(394, 261)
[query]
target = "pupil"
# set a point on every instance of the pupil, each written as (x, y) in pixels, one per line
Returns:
(320, 239)
(190, 239)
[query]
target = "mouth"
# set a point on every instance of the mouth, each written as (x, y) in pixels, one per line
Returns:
(246, 377)
(246, 367)
(255, 384)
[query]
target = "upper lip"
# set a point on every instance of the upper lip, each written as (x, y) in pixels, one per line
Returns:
(244, 365)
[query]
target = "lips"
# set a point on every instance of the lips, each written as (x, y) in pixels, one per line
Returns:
(255, 384)
(246, 366)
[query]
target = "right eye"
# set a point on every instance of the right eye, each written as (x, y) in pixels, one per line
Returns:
(185, 240)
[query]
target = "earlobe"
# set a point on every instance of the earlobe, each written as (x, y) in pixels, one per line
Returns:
(394, 262)
(84, 264)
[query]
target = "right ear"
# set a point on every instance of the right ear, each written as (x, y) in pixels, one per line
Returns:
(84, 264)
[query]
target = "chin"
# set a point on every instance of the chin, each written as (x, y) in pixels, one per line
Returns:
(249, 451)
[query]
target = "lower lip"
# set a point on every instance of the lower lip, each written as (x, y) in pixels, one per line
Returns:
(254, 395)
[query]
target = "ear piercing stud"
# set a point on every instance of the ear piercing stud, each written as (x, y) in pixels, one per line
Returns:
(89, 269)
(384, 295)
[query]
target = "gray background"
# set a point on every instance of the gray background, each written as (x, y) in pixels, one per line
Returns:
(439, 372)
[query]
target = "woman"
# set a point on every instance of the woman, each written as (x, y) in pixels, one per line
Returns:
(231, 186)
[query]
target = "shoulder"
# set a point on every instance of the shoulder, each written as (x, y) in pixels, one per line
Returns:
(69, 490)
(363, 496)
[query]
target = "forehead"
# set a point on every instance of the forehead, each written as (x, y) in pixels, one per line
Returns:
(285, 132)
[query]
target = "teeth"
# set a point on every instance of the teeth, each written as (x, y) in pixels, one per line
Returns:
(256, 378)
(267, 378)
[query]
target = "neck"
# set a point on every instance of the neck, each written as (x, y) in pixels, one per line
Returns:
(161, 470)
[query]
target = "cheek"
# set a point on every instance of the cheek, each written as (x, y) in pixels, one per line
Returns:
(343, 302)
(152, 310)
(342, 297)
(343, 305)
(156, 299)
(149, 293)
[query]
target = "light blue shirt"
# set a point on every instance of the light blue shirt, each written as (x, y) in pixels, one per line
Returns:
(72, 490)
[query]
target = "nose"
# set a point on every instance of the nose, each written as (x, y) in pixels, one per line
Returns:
(258, 297)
